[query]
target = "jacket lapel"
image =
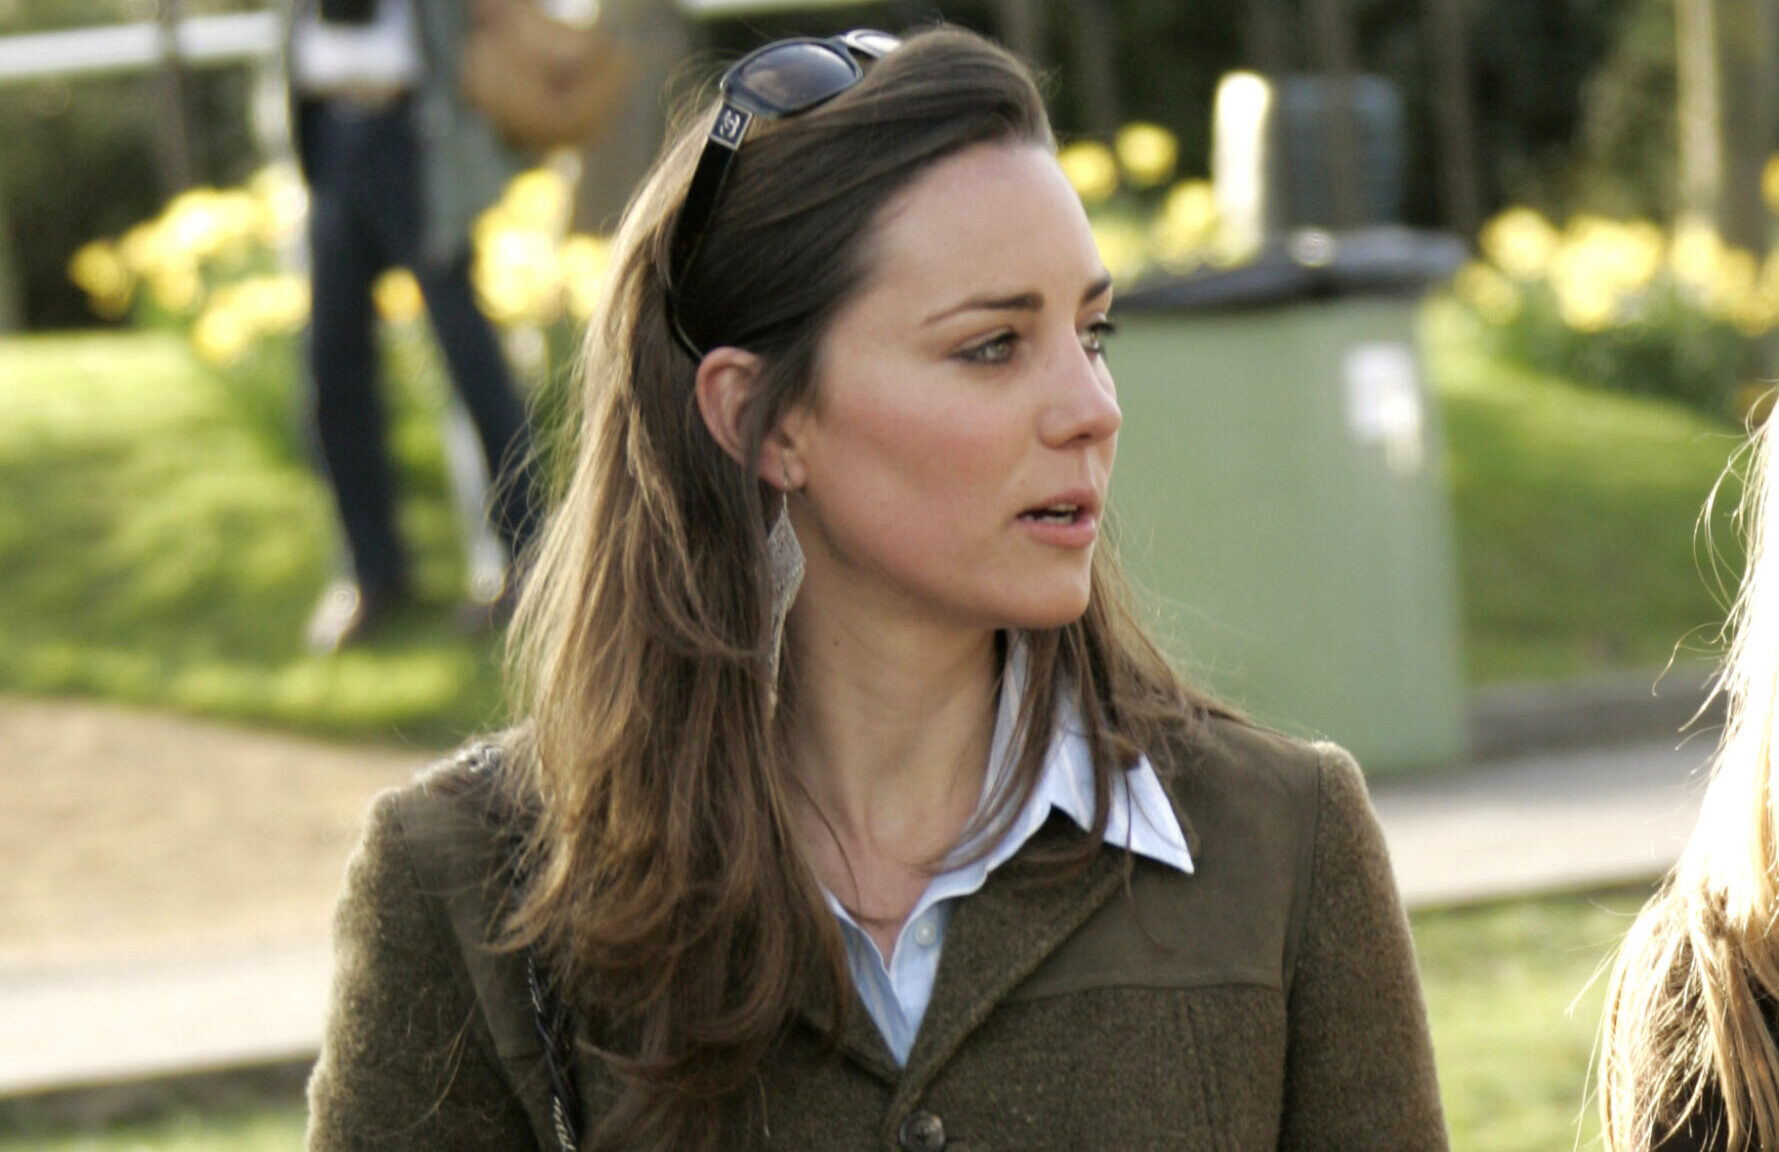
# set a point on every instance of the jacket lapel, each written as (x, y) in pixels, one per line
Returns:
(995, 939)
(860, 1041)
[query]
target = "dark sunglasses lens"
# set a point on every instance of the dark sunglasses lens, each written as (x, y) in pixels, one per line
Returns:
(791, 77)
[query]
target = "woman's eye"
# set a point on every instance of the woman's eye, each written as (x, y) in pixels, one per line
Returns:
(997, 350)
(1095, 336)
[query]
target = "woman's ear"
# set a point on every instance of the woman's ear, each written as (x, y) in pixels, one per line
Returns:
(726, 379)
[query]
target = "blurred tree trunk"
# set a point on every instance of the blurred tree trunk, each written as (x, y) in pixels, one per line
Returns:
(1746, 95)
(1263, 39)
(1021, 24)
(1725, 62)
(12, 312)
(1708, 67)
(1091, 22)
(1699, 122)
(1460, 196)
(1746, 56)
(1333, 54)
(658, 38)
(174, 138)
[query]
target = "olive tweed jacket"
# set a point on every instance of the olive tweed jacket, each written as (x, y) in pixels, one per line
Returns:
(1267, 1000)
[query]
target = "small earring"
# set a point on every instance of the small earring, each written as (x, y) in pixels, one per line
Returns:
(784, 559)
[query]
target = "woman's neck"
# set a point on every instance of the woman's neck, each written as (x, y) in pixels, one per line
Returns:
(891, 737)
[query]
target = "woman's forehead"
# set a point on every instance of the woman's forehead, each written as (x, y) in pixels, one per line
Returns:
(995, 218)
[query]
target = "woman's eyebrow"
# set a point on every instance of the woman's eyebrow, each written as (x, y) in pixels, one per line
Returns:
(1019, 302)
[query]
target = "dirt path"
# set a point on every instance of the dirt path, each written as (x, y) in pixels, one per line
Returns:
(127, 832)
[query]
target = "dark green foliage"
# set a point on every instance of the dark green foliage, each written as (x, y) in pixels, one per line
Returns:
(81, 157)
(1625, 148)
(1536, 73)
(1572, 102)
(1532, 63)
(1672, 349)
(77, 165)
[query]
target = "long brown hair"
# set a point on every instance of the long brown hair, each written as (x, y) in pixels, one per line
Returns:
(1684, 1020)
(668, 891)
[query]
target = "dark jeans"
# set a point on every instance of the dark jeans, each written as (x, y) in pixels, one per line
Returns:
(364, 218)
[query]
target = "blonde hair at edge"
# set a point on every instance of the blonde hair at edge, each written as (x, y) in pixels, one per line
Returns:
(1683, 1012)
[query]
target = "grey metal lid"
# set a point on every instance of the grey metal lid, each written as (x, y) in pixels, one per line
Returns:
(1310, 264)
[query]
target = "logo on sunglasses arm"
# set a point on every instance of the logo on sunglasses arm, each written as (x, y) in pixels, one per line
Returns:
(731, 126)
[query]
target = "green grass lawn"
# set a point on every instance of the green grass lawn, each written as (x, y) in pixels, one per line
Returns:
(1514, 993)
(1511, 992)
(158, 548)
(1575, 513)
(266, 1127)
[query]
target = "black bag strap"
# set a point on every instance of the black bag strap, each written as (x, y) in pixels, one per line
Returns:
(551, 1017)
(552, 1026)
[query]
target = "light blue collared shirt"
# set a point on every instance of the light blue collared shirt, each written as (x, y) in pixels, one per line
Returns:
(896, 994)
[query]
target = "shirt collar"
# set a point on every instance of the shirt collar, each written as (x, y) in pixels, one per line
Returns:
(1142, 817)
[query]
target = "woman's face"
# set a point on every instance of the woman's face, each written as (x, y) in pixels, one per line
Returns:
(955, 458)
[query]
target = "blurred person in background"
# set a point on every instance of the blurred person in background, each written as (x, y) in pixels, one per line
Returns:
(851, 806)
(398, 168)
(1688, 1059)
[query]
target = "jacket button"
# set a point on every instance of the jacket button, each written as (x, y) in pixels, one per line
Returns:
(921, 1132)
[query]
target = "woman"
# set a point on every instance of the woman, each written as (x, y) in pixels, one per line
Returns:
(1689, 1058)
(851, 807)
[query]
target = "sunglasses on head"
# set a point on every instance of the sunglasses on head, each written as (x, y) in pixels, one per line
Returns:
(776, 80)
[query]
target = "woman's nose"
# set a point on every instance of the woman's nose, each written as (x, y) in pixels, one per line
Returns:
(1082, 403)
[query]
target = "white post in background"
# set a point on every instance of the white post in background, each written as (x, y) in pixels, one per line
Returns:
(484, 556)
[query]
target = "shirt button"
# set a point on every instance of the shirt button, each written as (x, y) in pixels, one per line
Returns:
(921, 1132)
(925, 934)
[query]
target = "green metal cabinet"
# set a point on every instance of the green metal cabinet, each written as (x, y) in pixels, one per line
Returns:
(1279, 491)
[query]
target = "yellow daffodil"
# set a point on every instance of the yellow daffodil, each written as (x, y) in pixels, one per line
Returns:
(99, 271)
(1146, 154)
(1586, 304)
(1520, 242)
(583, 272)
(397, 296)
(1769, 184)
(1696, 253)
(1628, 256)
(538, 198)
(518, 277)
(277, 303)
(142, 248)
(1184, 234)
(221, 336)
(1733, 294)
(205, 223)
(1123, 245)
(282, 202)
(1091, 169)
(176, 286)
